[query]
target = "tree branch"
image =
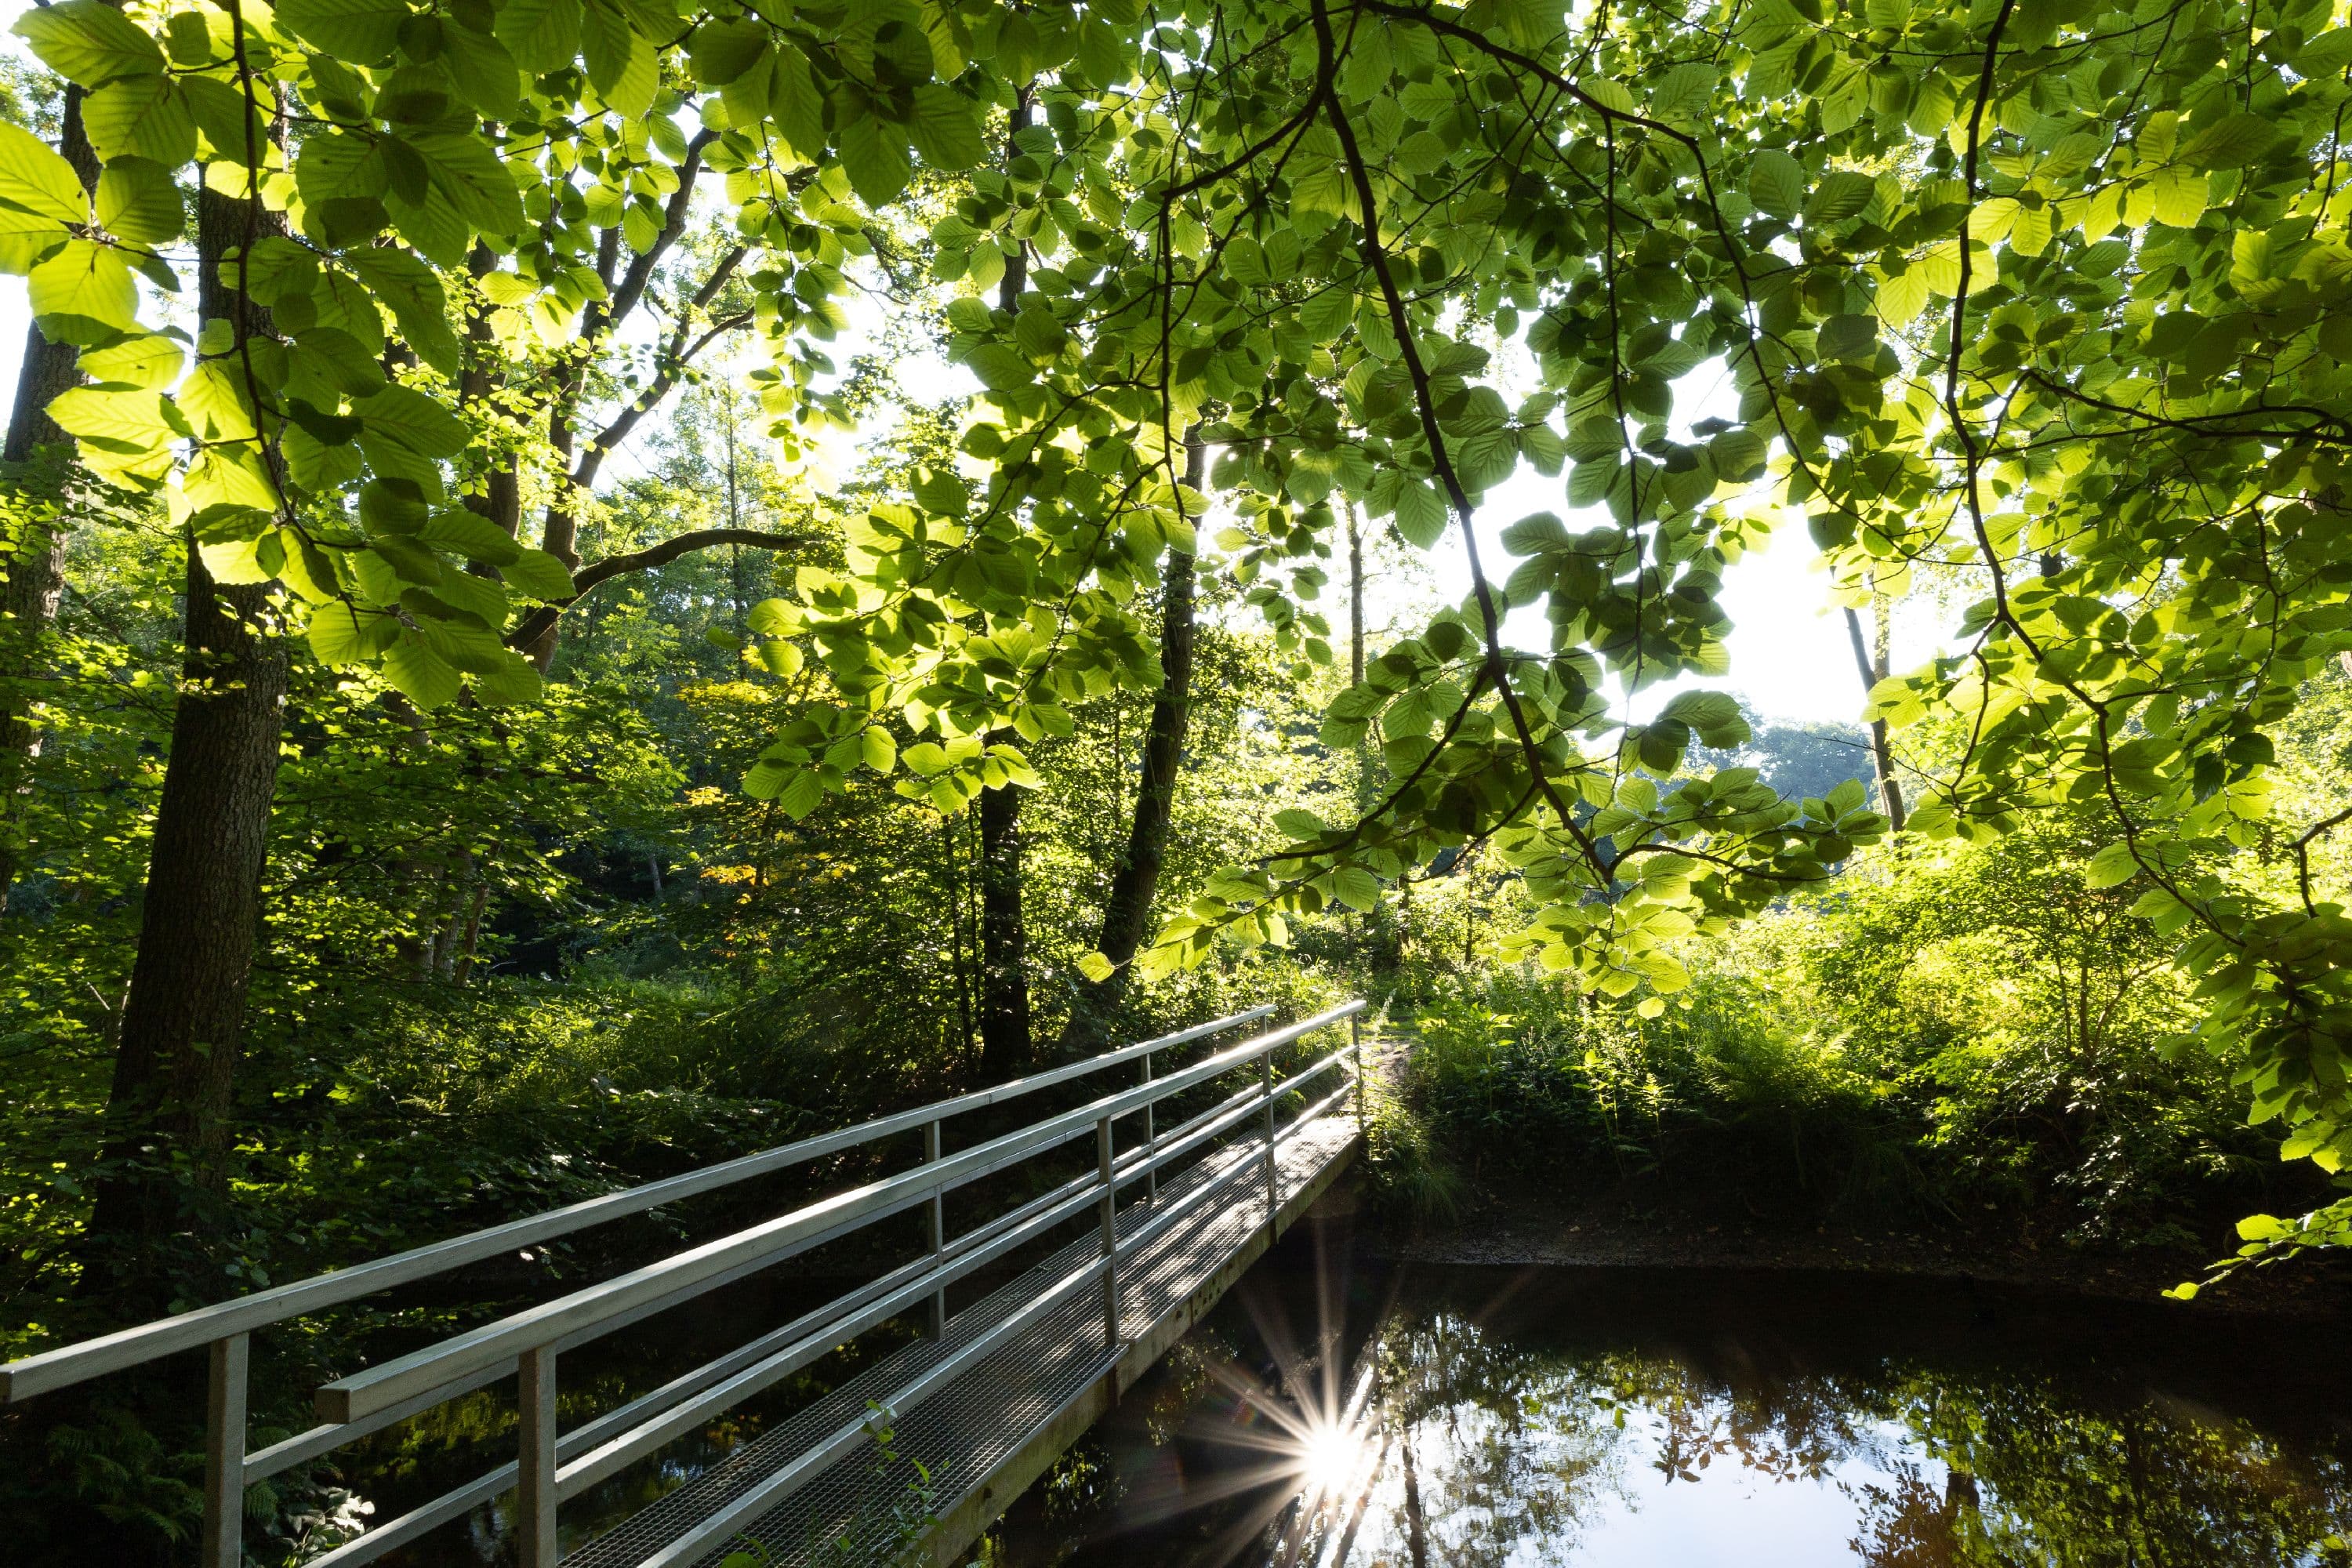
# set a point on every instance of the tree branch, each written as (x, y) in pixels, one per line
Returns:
(536, 625)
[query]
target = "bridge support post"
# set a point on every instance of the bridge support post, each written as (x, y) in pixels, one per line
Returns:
(1108, 1208)
(938, 1304)
(225, 1396)
(535, 1461)
(1150, 1141)
(1273, 1200)
(1356, 1051)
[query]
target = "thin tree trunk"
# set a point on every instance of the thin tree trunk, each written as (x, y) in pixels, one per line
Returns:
(500, 500)
(1355, 598)
(175, 1062)
(35, 564)
(958, 942)
(1890, 788)
(1004, 1025)
(1127, 913)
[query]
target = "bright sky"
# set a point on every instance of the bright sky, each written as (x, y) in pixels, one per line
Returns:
(1789, 657)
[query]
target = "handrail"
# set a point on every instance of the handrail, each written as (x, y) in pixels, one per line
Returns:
(554, 1465)
(70, 1364)
(389, 1383)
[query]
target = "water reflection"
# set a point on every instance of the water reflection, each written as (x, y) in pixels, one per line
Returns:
(1635, 1418)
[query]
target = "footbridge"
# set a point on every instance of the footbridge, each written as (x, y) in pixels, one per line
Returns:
(1029, 1321)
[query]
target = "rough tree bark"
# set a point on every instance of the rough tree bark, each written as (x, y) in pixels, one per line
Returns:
(1127, 913)
(35, 562)
(1004, 1025)
(1873, 670)
(169, 1111)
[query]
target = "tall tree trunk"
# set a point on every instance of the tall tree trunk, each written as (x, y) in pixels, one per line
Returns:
(1004, 1027)
(1882, 750)
(35, 562)
(500, 500)
(1355, 598)
(1127, 913)
(174, 1064)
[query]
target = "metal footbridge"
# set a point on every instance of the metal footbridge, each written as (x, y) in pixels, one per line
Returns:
(1032, 1322)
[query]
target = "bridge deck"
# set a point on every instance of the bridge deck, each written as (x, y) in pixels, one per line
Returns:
(983, 1434)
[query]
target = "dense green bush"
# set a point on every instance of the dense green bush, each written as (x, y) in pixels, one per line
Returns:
(1984, 1028)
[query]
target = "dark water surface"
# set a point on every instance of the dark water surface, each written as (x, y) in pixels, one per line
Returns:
(1682, 1418)
(1336, 1410)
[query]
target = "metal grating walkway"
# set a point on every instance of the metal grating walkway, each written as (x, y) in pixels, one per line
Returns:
(866, 1508)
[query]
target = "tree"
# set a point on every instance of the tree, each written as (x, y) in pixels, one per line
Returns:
(2016, 288)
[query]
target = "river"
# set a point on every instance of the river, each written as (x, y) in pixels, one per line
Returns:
(1689, 1417)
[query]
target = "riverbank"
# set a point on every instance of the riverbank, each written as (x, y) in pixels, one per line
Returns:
(1634, 1230)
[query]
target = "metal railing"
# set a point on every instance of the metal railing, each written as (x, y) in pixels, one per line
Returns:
(551, 1467)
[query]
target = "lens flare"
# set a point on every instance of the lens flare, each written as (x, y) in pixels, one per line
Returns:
(1328, 1454)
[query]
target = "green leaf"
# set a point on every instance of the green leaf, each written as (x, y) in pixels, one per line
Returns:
(874, 156)
(722, 51)
(1420, 514)
(419, 673)
(89, 43)
(145, 115)
(149, 360)
(474, 537)
(879, 749)
(800, 793)
(946, 128)
(84, 293)
(36, 181)
(514, 680)
(486, 75)
(1356, 887)
(1000, 369)
(465, 169)
(416, 421)
(341, 633)
(542, 34)
(2234, 142)
(1840, 196)
(356, 32)
(138, 201)
(2111, 867)
(1095, 967)
(1776, 182)
(536, 574)
(408, 289)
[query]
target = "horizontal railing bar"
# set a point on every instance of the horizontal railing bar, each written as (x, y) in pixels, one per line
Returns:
(572, 1447)
(399, 1531)
(72, 1364)
(632, 1446)
(349, 1398)
(331, 1436)
(1065, 1202)
(772, 1490)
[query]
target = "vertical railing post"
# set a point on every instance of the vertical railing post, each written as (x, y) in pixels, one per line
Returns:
(1356, 1051)
(938, 1315)
(1265, 1065)
(1107, 1207)
(535, 1467)
(1150, 1140)
(224, 1393)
